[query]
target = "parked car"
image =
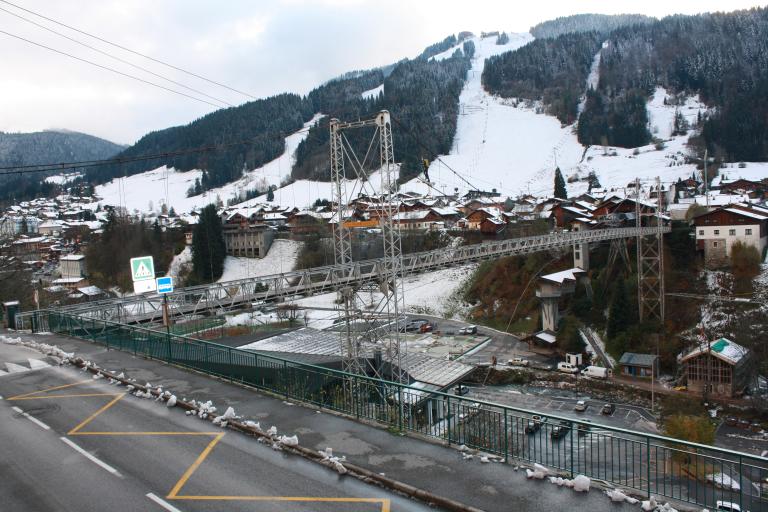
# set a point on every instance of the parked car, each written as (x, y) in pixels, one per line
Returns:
(560, 430)
(470, 329)
(608, 409)
(744, 424)
(727, 506)
(756, 427)
(427, 327)
(580, 406)
(532, 426)
(567, 368)
(582, 429)
(460, 390)
(415, 325)
(597, 372)
(731, 421)
(518, 361)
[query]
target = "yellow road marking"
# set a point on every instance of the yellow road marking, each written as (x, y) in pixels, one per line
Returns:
(89, 433)
(60, 396)
(385, 502)
(19, 397)
(191, 469)
(217, 436)
(92, 416)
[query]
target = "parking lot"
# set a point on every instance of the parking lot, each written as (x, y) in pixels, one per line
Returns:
(562, 403)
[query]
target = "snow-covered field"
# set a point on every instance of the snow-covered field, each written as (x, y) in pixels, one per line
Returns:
(151, 188)
(280, 258)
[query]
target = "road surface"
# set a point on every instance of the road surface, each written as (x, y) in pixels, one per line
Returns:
(74, 444)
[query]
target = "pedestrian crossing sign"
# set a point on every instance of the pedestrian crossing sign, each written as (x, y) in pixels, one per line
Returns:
(142, 268)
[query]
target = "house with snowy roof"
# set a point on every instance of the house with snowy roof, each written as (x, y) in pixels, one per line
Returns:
(721, 367)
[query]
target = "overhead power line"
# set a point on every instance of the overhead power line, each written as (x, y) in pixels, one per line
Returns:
(190, 73)
(113, 70)
(116, 58)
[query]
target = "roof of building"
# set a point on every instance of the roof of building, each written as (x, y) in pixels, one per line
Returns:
(68, 280)
(546, 337)
(562, 276)
(724, 349)
(90, 291)
(309, 341)
(72, 257)
(633, 359)
(751, 214)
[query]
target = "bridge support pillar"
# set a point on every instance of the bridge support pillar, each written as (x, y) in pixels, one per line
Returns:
(550, 316)
(581, 256)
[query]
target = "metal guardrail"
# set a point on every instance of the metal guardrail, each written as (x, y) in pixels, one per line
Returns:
(231, 294)
(646, 463)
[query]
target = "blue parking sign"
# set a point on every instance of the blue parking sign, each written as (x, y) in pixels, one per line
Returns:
(164, 284)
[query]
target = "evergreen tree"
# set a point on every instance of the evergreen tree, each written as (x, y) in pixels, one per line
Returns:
(560, 191)
(208, 249)
(270, 195)
(619, 314)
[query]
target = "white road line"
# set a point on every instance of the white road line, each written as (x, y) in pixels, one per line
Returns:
(36, 421)
(31, 418)
(90, 457)
(167, 506)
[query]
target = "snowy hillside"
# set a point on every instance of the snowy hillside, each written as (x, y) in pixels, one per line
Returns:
(508, 146)
(503, 144)
(138, 191)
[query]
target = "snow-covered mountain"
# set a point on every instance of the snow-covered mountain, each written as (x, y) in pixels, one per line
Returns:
(507, 144)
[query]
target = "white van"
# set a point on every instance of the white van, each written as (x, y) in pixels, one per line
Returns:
(567, 368)
(597, 372)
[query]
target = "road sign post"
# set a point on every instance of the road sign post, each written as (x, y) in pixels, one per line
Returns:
(143, 274)
(164, 287)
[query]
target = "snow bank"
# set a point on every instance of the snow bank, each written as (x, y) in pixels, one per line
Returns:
(49, 350)
(184, 258)
(617, 496)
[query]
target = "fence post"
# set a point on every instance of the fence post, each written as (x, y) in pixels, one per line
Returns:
(573, 434)
(648, 463)
(400, 407)
(285, 378)
(448, 417)
(506, 437)
(170, 349)
(229, 350)
(741, 484)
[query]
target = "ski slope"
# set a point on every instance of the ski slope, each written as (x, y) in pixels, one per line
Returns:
(512, 147)
(148, 191)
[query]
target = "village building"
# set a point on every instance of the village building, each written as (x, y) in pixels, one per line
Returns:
(721, 367)
(639, 365)
(717, 231)
(73, 265)
(245, 237)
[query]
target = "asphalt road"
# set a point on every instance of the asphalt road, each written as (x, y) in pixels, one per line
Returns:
(70, 443)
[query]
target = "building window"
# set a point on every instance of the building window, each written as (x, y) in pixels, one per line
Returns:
(717, 231)
(701, 232)
(748, 231)
(731, 232)
(714, 244)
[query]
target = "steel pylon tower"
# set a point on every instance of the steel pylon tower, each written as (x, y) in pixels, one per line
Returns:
(367, 335)
(650, 260)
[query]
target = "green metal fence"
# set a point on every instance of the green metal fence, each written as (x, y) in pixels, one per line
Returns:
(647, 463)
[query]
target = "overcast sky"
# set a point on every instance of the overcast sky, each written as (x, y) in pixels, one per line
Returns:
(261, 47)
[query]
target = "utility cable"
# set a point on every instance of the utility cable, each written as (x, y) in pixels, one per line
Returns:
(113, 70)
(116, 58)
(130, 51)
